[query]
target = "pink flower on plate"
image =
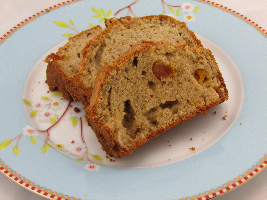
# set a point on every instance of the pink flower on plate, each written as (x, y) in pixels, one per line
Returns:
(60, 146)
(189, 17)
(38, 105)
(92, 167)
(28, 130)
(79, 149)
(56, 104)
(46, 115)
(187, 7)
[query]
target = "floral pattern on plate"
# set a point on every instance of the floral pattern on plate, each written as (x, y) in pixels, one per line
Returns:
(185, 10)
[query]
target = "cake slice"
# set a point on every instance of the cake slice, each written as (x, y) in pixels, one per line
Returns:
(63, 65)
(122, 20)
(116, 39)
(148, 90)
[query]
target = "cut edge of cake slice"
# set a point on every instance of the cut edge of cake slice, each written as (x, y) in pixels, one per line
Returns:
(150, 89)
(116, 40)
(61, 66)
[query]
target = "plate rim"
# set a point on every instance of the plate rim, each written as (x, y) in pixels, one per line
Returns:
(225, 188)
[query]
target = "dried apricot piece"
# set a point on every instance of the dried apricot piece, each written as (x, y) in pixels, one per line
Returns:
(162, 70)
(201, 76)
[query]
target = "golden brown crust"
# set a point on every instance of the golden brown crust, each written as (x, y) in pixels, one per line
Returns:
(55, 81)
(56, 78)
(173, 20)
(122, 20)
(223, 95)
(105, 135)
(106, 139)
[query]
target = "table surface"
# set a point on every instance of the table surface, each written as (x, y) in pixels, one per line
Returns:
(13, 12)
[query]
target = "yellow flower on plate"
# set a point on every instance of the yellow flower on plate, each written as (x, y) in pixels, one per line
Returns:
(187, 7)
(57, 104)
(60, 146)
(92, 167)
(189, 17)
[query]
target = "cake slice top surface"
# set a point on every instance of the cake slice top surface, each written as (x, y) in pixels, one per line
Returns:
(68, 58)
(117, 39)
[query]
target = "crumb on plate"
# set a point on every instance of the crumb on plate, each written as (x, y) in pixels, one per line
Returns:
(192, 148)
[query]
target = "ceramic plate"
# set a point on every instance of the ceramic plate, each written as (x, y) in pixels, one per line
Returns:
(47, 147)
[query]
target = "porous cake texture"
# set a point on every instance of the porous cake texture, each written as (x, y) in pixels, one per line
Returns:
(122, 20)
(116, 39)
(149, 89)
(63, 65)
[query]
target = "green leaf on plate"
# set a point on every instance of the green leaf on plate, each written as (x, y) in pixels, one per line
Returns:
(196, 9)
(33, 140)
(44, 148)
(98, 16)
(178, 12)
(71, 22)
(62, 24)
(5, 144)
(16, 150)
(27, 102)
(79, 159)
(96, 10)
(74, 121)
(56, 94)
(103, 11)
(171, 9)
(45, 98)
(109, 13)
(91, 25)
(33, 113)
(96, 157)
(49, 145)
(56, 115)
(101, 20)
(52, 120)
(67, 35)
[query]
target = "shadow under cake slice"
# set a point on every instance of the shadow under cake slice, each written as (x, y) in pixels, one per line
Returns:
(150, 89)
